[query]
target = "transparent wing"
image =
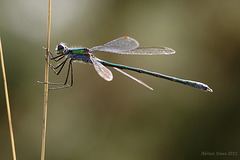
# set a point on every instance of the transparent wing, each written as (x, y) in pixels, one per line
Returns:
(101, 69)
(117, 45)
(135, 79)
(149, 51)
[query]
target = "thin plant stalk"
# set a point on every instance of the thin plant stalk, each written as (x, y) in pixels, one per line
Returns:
(7, 103)
(46, 84)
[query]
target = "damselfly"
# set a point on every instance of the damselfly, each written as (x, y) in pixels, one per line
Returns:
(122, 45)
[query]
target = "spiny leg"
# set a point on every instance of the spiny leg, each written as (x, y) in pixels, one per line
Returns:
(54, 70)
(60, 64)
(70, 69)
(63, 84)
(57, 58)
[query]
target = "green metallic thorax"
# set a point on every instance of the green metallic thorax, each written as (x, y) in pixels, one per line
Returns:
(79, 50)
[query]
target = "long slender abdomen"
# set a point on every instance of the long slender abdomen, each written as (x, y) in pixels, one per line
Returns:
(194, 84)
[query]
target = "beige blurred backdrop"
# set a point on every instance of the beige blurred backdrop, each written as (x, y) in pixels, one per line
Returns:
(122, 120)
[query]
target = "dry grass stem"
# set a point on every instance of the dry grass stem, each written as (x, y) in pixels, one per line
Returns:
(46, 84)
(8, 104)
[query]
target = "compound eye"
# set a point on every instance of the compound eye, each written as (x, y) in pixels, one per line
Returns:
(60, 47)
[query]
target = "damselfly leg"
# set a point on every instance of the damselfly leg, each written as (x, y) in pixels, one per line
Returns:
(64, 85)
(61, 65)
(56, 58)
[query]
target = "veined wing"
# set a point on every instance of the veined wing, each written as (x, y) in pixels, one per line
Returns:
(149, 51)
(135, 79)
(118, 45)
(101, 69)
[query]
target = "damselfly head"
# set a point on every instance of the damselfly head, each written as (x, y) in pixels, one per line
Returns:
(61, 49)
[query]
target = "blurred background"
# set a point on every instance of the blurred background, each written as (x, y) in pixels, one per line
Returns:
(122, 120)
